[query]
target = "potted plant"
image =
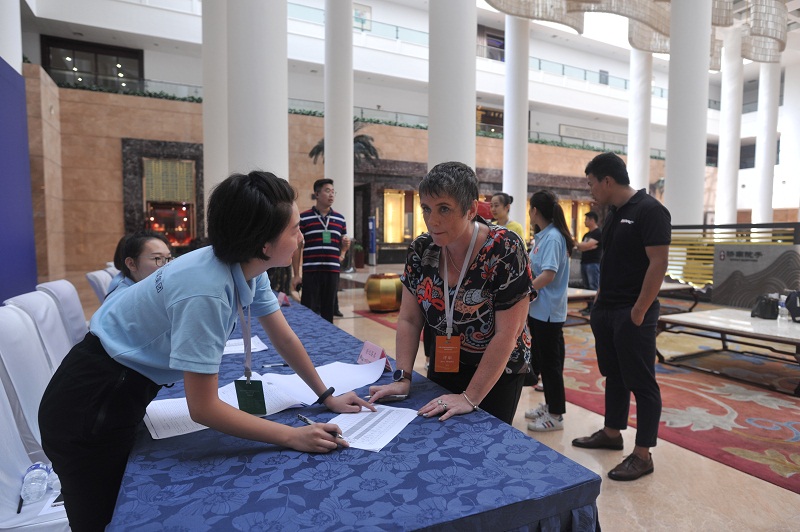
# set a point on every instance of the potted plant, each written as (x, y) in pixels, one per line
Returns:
(358, 254)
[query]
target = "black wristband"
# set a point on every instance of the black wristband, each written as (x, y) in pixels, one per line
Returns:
(327, 393)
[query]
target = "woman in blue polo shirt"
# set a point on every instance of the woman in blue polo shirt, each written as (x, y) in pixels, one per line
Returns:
(173, 325)
(548, 312)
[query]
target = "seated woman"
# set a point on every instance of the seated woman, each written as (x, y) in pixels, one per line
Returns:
(137, 256)
(468, 286)
(173, 326)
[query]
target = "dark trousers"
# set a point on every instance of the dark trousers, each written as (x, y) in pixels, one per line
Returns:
(319, 292)
(502, 399)
(547, 348)
(626, 357)
(88, 419)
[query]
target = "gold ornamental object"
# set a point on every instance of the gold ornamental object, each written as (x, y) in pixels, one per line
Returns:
(384, 292)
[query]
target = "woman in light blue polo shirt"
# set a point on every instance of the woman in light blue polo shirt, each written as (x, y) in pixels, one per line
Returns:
(548, 312)
(173, 325)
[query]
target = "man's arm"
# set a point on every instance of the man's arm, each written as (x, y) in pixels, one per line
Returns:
(659, 259)
(297, 261)
(589, 245)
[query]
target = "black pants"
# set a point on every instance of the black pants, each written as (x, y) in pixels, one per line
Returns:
(319, 292)
(502, 399)
(88, 419)
(547, 349)
(626, 356)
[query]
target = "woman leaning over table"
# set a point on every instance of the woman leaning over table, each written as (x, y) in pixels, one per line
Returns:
(548, 312)
(173, 326)
(475, 333)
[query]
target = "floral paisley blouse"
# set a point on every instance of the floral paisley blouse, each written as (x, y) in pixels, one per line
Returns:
(498, 278)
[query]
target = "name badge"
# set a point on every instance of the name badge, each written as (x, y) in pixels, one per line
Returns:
(326, 237)
(448, 354)
(251, 397)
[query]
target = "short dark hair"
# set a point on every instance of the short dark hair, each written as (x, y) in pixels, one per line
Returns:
(319, 183)
(131, 246)
(247, 211)
(505, 199)
(608, 164)
(453, 179)
(592, 215)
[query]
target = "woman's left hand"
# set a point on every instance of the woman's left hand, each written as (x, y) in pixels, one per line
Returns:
(348, 403)
(446, 406)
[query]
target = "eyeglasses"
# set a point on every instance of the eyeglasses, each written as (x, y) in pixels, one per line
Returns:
(160, 261)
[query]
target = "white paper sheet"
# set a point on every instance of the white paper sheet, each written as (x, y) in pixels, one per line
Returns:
(236, 345)
(371, 431)
(170, 417)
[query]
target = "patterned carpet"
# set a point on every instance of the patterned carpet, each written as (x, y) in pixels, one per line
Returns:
(752, 429)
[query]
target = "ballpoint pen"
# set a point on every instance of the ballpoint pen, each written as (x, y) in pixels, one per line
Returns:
(281, 365)
(307, 421)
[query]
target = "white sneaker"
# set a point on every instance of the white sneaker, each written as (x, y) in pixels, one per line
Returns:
(536, 413)
(547, 422)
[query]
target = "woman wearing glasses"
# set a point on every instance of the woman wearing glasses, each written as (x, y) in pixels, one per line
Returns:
(137, 256)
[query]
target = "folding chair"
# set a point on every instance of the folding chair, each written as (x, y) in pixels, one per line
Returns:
(99, 281)
(69, 306)
(52, 333)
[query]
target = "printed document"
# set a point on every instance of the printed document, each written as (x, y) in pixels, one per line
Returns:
(371, 431)
(170, 417)
(236, 345)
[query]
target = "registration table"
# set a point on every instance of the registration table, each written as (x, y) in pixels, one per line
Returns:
(472, 472)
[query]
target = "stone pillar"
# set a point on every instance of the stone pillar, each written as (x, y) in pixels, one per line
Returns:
(258, 93)
(769, 87)
(688, 110)
(215, 96)
(515, 116)
(339, 104)
(451, 81)
(730, 129)
(641, 74)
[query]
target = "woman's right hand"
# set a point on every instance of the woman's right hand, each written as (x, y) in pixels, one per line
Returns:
(316, 438)
(396, 388)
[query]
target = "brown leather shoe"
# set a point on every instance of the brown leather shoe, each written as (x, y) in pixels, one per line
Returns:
(632, 468)
(599, 440)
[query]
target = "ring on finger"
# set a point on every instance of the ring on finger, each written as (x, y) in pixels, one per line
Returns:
(439, 401)
(444, 407)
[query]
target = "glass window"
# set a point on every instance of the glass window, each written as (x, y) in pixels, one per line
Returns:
(84, 63)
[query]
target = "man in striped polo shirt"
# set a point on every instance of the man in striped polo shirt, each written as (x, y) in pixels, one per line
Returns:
(324, 232)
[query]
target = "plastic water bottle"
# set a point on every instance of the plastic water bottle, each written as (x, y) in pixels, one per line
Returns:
(53, 481)
(783, 312)
(34, 483)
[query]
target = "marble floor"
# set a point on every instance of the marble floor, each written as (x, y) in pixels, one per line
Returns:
(686, 491)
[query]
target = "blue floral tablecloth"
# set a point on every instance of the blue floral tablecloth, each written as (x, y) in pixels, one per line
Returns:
(472, 472)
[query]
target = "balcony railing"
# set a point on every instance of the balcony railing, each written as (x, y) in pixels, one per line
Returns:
(82, 80)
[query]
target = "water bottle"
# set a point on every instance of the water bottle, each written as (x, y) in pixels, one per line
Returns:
(34, 483)
(783, 312)
(53, 483)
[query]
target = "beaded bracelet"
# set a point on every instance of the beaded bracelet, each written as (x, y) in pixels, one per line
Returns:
(473, 405)
(327, 393)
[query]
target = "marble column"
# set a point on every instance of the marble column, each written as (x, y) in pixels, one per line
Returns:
(339, 104)
(258, 90)
(451, 82)
(515, 116)
(641, 74)
(688, 109)
(215, 96)
(730, 128)
(789, 126)
(769, 86)
(11, 34)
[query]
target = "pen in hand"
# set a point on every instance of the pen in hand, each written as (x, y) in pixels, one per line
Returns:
(307, 421)
(281, 365)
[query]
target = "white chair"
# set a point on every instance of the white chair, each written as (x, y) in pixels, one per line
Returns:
(50, 327)
(13, 464)
(69, 306)
(25, 372)
(99, 280)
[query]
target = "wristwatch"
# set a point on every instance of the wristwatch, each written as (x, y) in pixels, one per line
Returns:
(399, 375)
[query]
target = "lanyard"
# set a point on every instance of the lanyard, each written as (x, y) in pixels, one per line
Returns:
(448, 308)
(248, 349)
(326, 221)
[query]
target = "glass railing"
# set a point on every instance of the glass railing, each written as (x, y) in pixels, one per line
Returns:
(80, 80)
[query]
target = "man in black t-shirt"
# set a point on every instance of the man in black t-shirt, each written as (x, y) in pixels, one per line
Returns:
(635, 241)
(590, 256)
